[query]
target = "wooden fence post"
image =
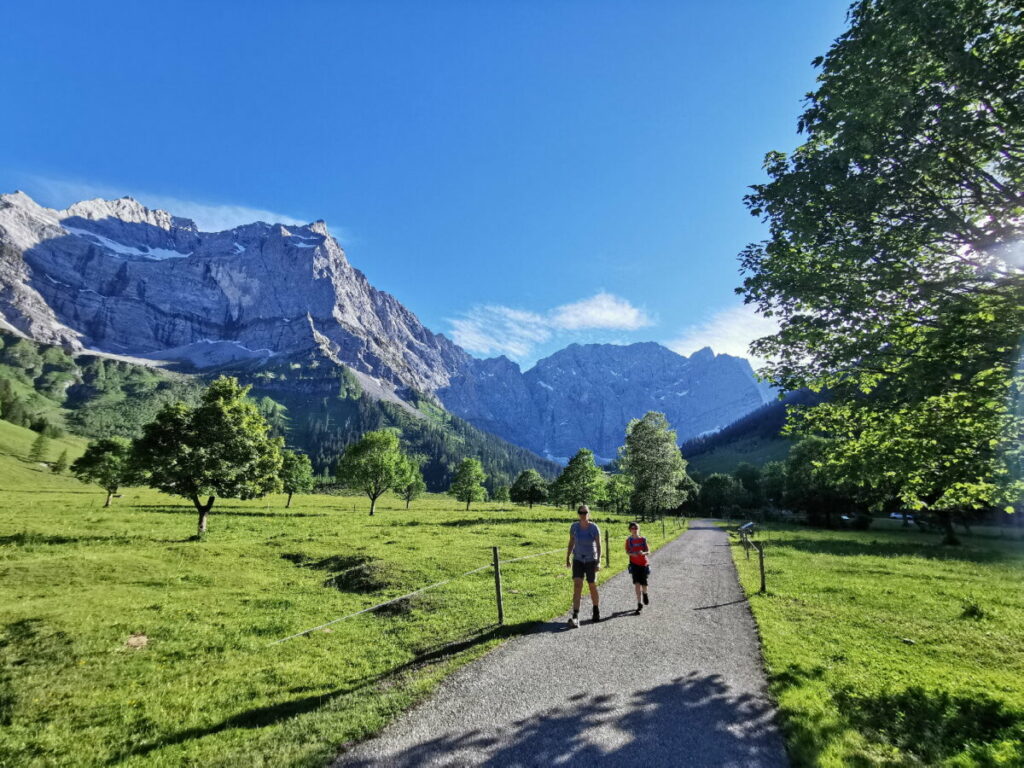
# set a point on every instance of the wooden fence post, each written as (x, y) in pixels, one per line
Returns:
(663, 528)
(607, 550)
(497, 587)
(760, 561)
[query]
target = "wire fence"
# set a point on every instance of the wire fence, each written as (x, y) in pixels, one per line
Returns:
(667, 531)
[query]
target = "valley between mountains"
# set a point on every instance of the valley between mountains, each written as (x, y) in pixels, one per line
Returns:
(281, 307)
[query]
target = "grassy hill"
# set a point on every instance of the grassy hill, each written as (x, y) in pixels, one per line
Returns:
(755, 439)
(122, 641)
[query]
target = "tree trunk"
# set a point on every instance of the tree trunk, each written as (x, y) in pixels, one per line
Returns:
(204, 510)
(289, 504)
(373, 504)
(407, 503)
(947, 526)
(467, 504)
(110, 495)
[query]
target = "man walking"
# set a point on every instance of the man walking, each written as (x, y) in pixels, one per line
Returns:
(585, 551)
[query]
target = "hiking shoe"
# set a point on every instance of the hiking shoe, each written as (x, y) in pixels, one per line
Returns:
(639, 607)
(647, 600)
(597, 615)
(574, 622)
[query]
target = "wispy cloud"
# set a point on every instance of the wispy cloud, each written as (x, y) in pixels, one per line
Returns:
(492, 329)
(602, 310)
(729, 331)
(497, 330)
(209, 217)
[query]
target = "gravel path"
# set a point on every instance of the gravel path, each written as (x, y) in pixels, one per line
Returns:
(679, 685)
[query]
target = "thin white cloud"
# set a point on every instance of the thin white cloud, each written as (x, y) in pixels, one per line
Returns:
(604, 311)
(496, 330)
(493, 329)
(729, 331)
(60, 193)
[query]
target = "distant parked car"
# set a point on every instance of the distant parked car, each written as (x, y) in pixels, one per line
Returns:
(901, 516)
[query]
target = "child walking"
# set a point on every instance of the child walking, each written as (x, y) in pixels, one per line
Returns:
(639, 565)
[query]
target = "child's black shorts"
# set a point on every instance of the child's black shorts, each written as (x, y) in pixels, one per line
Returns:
(639, 573)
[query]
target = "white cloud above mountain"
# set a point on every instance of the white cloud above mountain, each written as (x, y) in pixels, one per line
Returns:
(601, 311)
(209, 217)
(728, 331)
(493, 329)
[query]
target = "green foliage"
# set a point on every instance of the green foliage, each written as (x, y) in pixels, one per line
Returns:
(719, 493)
(106, 463)
(60, 466)
(889, 262)
(652, 459)
(374, 465)
(529, 488)
(773, 482)
(467, 485)
(40, 448)
(749, 477)
(501, 493)
(581, 482)
(413, 489)
(619, 491)
(219, 448)
(812, 487)
(296, 474)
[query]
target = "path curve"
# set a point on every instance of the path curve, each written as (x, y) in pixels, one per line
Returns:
(680, 685)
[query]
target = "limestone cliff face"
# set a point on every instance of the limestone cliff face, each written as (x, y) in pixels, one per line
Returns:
(584, 395)
(115, 276)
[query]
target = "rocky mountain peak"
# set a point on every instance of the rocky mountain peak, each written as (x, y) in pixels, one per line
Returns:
(128, 210)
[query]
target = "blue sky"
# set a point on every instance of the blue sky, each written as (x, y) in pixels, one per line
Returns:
(521, 175)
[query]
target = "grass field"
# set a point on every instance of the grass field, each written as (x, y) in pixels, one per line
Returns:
(123, 642)
(885, 648)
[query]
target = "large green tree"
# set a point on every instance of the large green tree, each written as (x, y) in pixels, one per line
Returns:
(652, 459)
(619, 490)
(468, 482)
(374, 465)
(581, 482)
(296, 474)
(894, 259)
(217, 448)
(106, 463)
(529, 488)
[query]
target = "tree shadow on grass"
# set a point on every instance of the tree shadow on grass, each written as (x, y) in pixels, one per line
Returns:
(260, 717)
(225, 510)
(846, 547)
(693, 720)
(25, 539)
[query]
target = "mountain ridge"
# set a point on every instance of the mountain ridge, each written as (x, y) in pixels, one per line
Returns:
(117, 277)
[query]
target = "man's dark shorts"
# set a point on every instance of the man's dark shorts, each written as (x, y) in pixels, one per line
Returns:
(581, 569)
(639, 573)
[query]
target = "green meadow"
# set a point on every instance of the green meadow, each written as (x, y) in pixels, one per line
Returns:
(885, 648)
(123, 642)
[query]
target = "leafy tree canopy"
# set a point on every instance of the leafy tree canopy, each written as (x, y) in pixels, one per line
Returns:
(894, 259)
(581, 482)
(467, 484)
(652, 459)
(375, 464)
(106, 463)
(529, 488)
(296, 474)
(218, 448)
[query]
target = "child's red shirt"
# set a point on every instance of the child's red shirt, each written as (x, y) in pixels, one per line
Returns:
(635, 547)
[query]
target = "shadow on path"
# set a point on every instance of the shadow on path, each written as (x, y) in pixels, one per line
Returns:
(692, 721)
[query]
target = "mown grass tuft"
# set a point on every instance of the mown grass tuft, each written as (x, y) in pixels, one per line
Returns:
(890, 649)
